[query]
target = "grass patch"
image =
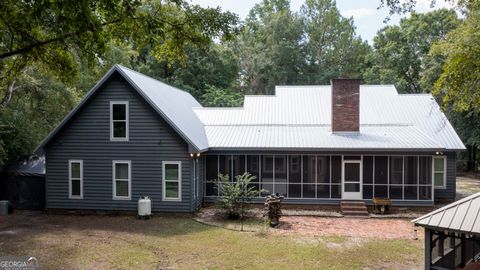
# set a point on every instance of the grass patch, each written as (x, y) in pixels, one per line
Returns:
(337, 239)
(181, 243)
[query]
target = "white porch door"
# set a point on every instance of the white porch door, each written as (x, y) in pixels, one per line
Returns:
(352, 180)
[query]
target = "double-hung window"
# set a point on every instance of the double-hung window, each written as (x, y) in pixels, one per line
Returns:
(439, 175)
(75, 179)
(172, 173)
(122, 176)
(119, 120)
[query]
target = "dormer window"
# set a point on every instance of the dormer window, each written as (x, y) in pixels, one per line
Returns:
(119, 120)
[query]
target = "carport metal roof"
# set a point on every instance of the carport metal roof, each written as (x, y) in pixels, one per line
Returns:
(461, 216)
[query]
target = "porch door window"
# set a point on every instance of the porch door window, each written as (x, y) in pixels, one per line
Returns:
(352, 177)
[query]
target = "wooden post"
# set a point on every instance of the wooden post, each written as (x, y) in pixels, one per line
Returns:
(428, 249)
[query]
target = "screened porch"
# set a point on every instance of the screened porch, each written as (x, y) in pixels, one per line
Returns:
(332, 177)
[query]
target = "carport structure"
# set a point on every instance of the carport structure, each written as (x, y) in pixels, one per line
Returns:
(452, 235)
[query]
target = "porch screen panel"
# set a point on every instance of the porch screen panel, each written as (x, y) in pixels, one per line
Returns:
(309, 176)
(336, 191)
(396, 170)
(323, 170)
(380, 189)
(396, 178)
(367, 177)
(368, 169)
(336, 188)
(267, 174)
(381, 170)
(238, 162)
(425, 170)
(323, 177)
(253, 167)
(425, 178)
(425, 193)
(225, 164)
(337, 169)
(294, 176)
(410, 189)
(280, 179)
(211, 175)
(411, 170)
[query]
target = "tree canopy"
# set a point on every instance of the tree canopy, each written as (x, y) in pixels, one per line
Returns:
(400, 52)
(52, 52)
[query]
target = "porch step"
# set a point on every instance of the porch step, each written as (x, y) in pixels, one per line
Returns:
(354, 209)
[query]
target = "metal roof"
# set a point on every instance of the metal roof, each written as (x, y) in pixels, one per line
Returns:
(318, 137)
(300, 117)
(173, 104)
(461, 216)
(296, 117)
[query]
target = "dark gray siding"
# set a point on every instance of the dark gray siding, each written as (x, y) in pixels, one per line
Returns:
(197, 201)
(450, 191)
(87, 137)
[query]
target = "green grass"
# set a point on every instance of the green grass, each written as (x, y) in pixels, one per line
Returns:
(76, 242)
(337, 239)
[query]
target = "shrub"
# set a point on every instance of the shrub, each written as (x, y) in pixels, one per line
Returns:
(235, 195)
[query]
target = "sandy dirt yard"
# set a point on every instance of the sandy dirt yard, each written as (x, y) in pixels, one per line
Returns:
(349, 227)
(179, 242)
(466, 185)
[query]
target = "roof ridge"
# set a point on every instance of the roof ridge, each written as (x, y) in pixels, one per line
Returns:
(144, 75)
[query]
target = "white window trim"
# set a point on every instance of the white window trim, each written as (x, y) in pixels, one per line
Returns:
(70, 178)
(127, 120)
(114, 186)
(444, 186)
(179, 198)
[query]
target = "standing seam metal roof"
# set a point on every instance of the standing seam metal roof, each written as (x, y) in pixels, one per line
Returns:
(460, 216)
(287, 118)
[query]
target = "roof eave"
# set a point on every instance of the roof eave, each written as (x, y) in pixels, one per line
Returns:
(435, 228)
(307, 149)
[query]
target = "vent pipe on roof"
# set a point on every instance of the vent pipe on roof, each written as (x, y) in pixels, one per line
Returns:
(345, 105)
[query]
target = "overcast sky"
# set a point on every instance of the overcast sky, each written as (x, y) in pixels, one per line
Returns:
(368, 18)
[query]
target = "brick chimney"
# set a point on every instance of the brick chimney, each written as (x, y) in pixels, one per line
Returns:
(345, 105)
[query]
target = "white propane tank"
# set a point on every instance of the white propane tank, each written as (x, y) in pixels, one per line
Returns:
(144, 207)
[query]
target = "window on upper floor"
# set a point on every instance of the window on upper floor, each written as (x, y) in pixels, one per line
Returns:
(75, 179)
(119, 120)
